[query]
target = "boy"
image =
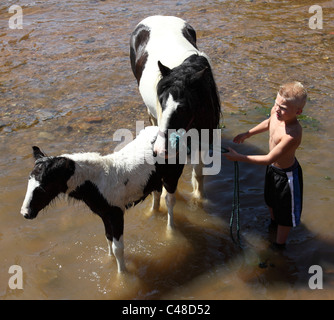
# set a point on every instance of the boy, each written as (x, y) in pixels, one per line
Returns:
(284, 181)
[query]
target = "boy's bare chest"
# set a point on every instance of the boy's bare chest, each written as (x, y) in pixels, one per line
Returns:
(276, 132)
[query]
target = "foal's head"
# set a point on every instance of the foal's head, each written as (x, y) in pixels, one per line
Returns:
(46, 181)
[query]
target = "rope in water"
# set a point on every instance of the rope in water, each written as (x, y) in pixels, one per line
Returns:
(236, 206)
(235, 214)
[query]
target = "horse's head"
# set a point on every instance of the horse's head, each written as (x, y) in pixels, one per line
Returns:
(178, 93)
(46, 181)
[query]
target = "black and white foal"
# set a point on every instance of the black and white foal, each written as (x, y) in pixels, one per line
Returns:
(107, 184)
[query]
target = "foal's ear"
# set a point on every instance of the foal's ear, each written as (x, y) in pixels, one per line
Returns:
(37, 153)
(165, 71)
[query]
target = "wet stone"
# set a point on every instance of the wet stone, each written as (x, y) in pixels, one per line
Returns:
(46, 135)
(44, 115)
(93, 119)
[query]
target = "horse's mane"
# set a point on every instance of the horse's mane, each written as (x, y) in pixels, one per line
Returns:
(201, 92)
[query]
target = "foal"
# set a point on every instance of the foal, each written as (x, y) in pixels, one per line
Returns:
(107, 184)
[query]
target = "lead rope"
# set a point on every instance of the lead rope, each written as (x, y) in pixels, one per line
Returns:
(235, 203)
(236, 206)
(175, 139)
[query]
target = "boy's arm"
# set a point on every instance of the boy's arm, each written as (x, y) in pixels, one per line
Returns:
(287, 144)
(262, 127)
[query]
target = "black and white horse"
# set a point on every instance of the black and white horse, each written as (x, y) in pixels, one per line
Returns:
(175, 81)
(107, 184)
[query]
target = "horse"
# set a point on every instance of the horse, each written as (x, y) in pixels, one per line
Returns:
(108, 185)
(176, 83)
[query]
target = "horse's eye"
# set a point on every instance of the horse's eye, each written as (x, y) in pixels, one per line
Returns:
(37, 170)
(181, 110)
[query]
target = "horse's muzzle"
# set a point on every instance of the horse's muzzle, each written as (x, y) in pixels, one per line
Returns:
(28, 214)
(159, 147)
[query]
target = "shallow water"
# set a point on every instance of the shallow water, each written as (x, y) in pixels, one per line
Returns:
(66, 85)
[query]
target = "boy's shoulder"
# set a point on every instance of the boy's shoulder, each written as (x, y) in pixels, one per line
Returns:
(293, 126)
(294, 129)
(293, 134)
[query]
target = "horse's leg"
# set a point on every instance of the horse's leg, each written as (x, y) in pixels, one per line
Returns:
(170, 203)
(156, 201)
(170, 182)
(114, 226)
(197, 180)
(197, 177)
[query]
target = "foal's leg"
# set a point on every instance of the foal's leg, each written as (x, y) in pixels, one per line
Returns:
(118, 251)
(114, 227)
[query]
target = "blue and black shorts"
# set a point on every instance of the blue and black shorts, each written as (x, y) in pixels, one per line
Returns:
(283, 193)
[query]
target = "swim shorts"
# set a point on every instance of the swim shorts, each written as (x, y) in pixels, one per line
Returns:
(283, 193)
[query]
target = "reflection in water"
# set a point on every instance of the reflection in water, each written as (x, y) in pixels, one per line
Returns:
(66, 85)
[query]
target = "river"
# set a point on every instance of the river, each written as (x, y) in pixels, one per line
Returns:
(66, 86)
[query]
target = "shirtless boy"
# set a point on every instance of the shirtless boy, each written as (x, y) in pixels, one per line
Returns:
(284, 181)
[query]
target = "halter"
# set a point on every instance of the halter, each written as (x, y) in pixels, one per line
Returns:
(163, 134)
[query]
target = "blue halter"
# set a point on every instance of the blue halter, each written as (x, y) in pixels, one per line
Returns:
(175, 138)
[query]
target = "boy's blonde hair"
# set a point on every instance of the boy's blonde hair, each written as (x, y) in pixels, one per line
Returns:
(294, 93)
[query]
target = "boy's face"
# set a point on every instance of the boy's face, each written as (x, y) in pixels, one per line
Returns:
(285, 111)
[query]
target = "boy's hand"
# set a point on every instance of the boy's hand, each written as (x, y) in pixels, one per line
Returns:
(232, 155)
(240, 138)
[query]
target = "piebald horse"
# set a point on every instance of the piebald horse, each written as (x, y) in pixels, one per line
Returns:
(175, 81)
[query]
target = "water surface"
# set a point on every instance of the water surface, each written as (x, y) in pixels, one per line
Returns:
(66, 85)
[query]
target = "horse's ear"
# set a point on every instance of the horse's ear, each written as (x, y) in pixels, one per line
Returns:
(37, 153)
(198, 75)
(165, 71)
